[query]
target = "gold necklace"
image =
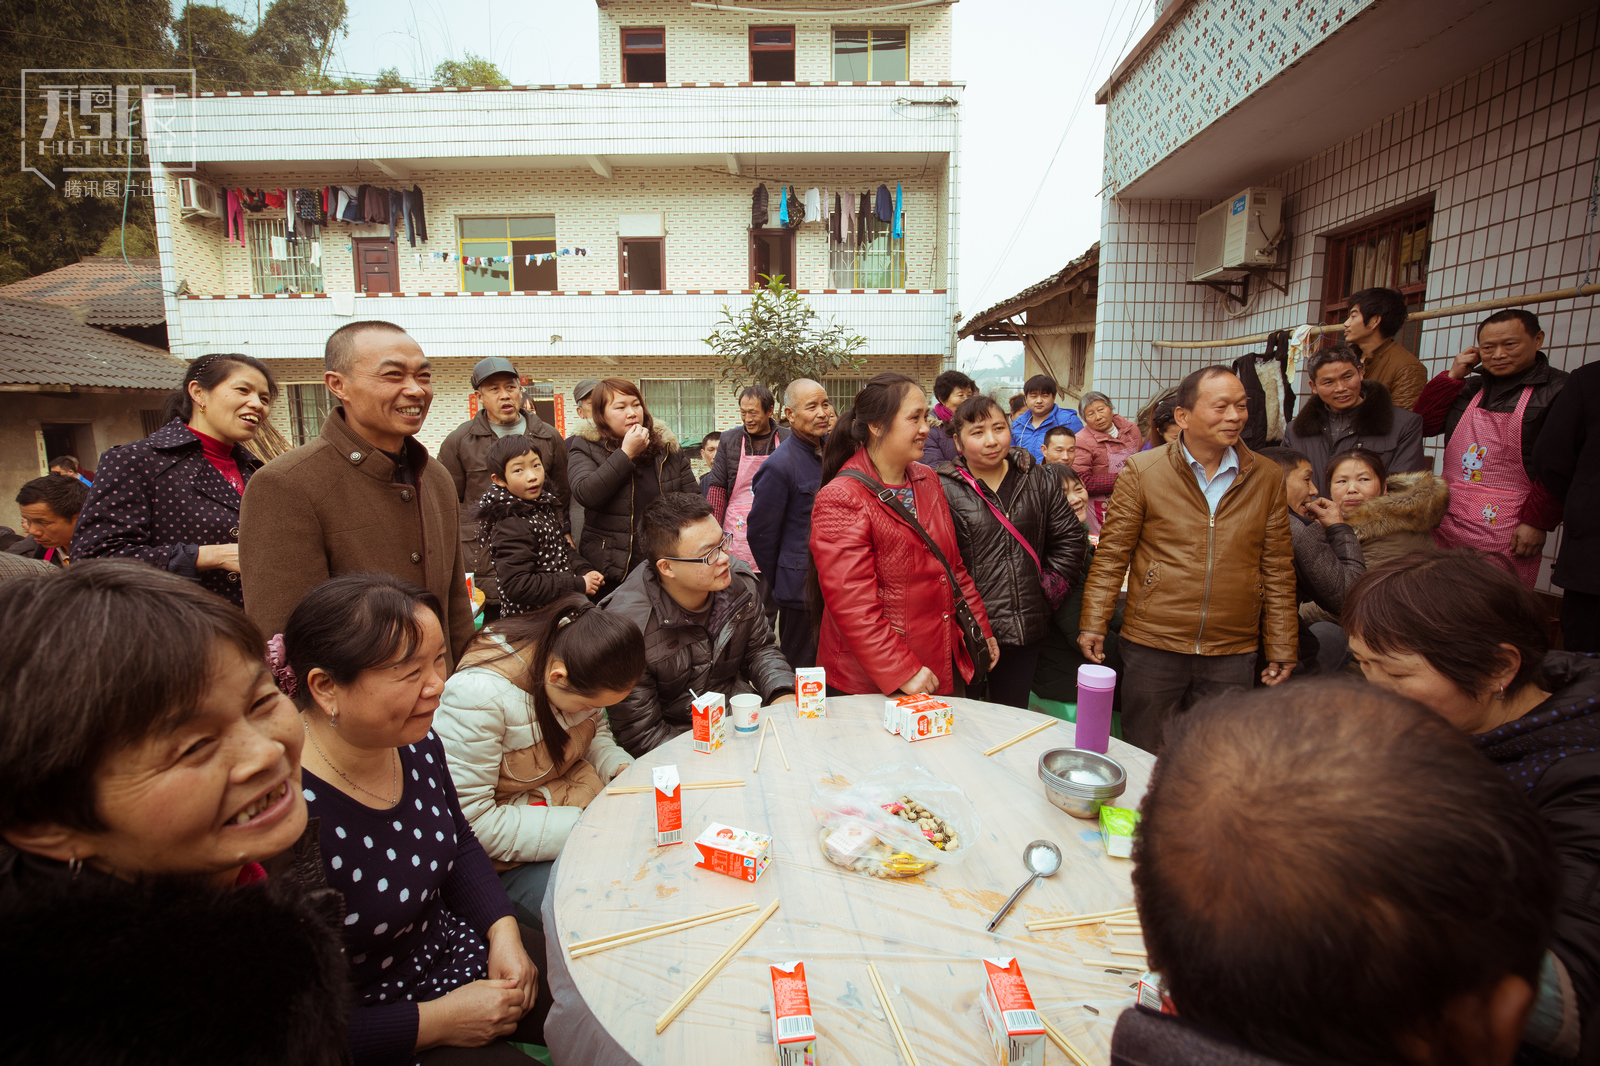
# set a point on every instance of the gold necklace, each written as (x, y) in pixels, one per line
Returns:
(395, 767)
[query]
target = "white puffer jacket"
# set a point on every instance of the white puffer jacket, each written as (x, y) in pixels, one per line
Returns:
(483, 716)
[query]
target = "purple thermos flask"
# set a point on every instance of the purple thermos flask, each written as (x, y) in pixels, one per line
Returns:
(1096, 686)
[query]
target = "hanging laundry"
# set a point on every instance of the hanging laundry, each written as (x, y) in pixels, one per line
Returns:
(847, 220)
(253, 202)
(349, 203)
(374, 204)
(884, 207)
(308, 205)
(415, 216)
(797, 209)
(783, 206)
(759, 217)
(316, 253)
(899, 213)
(813, 205)
(835, 217)
(864, 218)
(277, 247)
(276, 198)
(397, 210)
(235, 211)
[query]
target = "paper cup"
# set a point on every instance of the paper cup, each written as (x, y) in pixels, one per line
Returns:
(746, 712)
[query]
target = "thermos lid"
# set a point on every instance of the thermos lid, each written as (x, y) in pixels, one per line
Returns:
(1096, 677)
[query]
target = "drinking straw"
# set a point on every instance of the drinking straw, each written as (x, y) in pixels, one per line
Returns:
(1024, 735)
(894, 1021)
(716, 967)
(616, 940)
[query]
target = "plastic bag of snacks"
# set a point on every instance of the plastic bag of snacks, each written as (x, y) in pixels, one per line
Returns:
(897, 821)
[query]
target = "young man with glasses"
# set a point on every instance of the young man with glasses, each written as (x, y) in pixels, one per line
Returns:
(704, 627)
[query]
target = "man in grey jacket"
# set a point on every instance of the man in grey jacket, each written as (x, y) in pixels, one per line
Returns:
(1346, 411)
(704, 627)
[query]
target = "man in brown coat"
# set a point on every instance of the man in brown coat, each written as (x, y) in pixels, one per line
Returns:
(364, 497)
(465, 451)
(1205, 526)
(1375, 317)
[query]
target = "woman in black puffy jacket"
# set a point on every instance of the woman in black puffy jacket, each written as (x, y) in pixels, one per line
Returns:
(991, 476)
(616, 466)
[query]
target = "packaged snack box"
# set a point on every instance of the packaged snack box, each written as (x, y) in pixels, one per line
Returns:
(735, 852)
(810, 692)
(1116, 830)
(893, 707)
(669, 805)
(794, 1033)
(1149, 993)
(710, 718)
(923, 721)
(1014, 1024)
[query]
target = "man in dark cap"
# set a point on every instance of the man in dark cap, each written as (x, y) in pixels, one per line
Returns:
(465, 452)
(580, 399)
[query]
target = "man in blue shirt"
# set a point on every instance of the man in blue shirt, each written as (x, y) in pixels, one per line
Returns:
(1040, 416)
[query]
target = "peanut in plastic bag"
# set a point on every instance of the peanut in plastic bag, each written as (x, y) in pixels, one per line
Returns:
(863, 826)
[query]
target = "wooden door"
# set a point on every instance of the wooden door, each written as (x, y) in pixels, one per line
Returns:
(771, 254)
(376, 267)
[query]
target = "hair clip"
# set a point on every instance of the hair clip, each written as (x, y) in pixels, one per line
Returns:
(278, 663)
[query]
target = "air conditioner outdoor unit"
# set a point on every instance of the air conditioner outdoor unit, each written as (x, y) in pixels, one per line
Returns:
(197, 198)
(1242, 231)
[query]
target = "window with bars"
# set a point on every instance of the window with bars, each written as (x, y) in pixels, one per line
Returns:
(687, 406)
(309, 406)
(1391, 253)
(278, 264)
(870, 55)
(876, 264)
(842, 391)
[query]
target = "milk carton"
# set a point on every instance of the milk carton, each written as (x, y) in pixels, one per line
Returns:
(735, 852)
(893, 707)
(710, 718)
(923, 721)
(669, 805)
(794, 1033)
(1014, 1024)
(810, 692)
(1117, 826)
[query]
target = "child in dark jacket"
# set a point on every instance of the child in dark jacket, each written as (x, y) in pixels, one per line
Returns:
(519, 528)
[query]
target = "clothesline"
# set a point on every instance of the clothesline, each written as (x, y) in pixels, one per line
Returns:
(1418, 316)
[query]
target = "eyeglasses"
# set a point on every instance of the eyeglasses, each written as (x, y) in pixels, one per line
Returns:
(709, 558)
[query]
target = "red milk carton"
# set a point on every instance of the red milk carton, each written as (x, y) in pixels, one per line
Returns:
(920, 721)
(811, 692)
(794, 1033)
(669, 805)
(892, 708)
(1014, 1024)
(735, 852)
(710, 718)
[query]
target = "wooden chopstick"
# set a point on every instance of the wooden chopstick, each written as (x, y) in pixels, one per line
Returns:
(894, 1021)
(1110, 964)
(777, 736)
(1067, 1047)
(617, 940)
(1041, 727)
(761, 746)
(722, 782)
(1130, 953)
(1080, 919)
(716, 967)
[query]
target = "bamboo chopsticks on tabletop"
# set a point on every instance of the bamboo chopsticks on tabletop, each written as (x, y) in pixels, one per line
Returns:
(722, 782)
(617, 940)
(909, 1056)
(1102, 917)
(1068, 1048)
(716, 967)
(1024, 735)
(768, 724)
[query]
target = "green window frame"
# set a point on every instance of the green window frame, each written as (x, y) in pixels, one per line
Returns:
(686, 405)
(878, 53)
(514, 237)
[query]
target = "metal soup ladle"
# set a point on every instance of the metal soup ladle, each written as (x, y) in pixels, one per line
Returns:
(1043, 859)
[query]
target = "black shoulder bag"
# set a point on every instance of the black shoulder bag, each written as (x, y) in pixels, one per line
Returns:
(971, 631)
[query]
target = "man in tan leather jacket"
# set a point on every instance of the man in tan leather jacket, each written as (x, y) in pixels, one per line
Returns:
(1205, 525)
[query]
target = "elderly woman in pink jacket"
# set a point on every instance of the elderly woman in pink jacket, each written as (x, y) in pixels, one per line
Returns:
(1104, 443)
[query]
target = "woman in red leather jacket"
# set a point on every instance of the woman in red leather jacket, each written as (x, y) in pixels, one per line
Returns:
(888, 621)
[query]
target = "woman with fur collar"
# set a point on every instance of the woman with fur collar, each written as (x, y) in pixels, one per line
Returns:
(1392, 514)
(619, 463)
(1346, 411)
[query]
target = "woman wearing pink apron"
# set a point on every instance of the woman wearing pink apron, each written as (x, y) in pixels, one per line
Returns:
(737, 518)
(1488, 484)
(1104, 445)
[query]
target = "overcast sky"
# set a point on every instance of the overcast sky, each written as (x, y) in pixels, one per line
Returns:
(1031, 68)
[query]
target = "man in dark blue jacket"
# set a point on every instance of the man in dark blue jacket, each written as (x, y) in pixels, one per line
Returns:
(780, 515)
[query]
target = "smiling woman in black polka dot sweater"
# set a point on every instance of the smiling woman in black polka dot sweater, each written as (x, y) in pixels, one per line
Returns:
(436, 956)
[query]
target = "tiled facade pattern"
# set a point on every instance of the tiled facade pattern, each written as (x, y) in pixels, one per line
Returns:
(1209, 58)
(1505, 156)
(714, 46)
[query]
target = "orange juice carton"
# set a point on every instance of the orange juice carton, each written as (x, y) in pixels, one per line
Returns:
(735, 852)
(893, 707)
(669, 805)
(1014, 1024)
(709, 713)
(794, 1033)
(1150, 994)
(923, 721)
(810, 692)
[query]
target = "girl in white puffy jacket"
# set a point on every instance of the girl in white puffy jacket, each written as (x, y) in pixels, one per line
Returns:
(524, 729)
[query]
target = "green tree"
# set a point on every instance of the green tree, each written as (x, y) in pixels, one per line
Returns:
(471, 70)
(390, 78)
(780, 337)
(296, 38)
(140, 242)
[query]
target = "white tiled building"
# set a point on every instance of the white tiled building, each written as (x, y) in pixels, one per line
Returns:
(1446, 149)
(640, 188)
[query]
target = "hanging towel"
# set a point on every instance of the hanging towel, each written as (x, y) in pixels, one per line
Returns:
(277, 248)
(275, 198)
(344, 303)
(783, 206)
(899, 213)
(884, 207)
(813, 205)
(760, 217)
(316, 253)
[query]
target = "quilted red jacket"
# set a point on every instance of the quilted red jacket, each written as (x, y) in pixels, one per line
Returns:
(887, 603)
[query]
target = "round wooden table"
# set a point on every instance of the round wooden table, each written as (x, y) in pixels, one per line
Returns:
(924, 934)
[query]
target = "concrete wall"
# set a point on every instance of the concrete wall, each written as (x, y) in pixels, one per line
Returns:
(108, 419)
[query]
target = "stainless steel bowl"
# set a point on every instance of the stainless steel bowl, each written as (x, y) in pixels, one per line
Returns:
(1081, 782)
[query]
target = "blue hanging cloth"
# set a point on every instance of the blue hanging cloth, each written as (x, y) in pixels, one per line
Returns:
(783, 207)
(899, 213)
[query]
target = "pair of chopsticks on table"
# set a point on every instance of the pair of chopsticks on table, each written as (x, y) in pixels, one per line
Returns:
(722, 782)
(1024, 735)
(767, 725)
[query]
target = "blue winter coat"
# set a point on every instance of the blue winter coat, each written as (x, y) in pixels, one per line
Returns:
(779, 529)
